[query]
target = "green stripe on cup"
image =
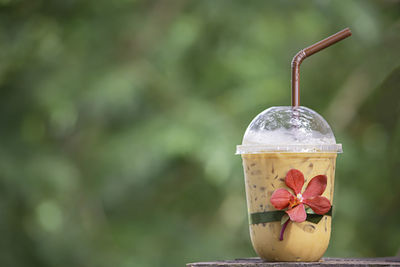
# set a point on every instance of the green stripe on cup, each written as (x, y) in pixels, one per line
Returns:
(276, 216)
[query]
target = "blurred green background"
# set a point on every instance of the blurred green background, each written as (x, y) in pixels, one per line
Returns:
(119, 121)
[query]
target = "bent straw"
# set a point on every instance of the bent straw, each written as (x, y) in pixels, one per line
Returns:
(306, 52)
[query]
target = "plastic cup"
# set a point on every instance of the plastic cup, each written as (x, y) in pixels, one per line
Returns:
(277, 140)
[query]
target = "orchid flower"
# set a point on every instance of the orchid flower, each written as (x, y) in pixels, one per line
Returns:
(282, 198)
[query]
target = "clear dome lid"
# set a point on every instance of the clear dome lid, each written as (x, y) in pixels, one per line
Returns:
(288, 129)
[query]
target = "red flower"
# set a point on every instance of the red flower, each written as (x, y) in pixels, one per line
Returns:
(311, 197)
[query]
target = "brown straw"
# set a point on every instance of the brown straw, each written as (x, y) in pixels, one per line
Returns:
(301, 55)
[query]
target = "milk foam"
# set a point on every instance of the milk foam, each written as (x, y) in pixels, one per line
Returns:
(287, 137)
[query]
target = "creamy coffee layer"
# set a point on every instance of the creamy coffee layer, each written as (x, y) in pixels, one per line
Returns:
(264, 173)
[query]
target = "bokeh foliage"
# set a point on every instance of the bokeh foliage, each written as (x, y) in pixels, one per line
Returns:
(120, 119)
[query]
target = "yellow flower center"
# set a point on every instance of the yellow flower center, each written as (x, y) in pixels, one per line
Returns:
(296, 200)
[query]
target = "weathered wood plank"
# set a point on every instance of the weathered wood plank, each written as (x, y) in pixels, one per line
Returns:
(257, 262)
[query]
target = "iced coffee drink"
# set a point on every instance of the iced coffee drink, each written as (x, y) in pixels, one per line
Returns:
(289, 157)
(279, 140)
(264, 173)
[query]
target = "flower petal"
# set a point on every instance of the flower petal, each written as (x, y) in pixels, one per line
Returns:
(280, 198)
(319, 204)
(295, 180)
(315, 187)
(297, 214)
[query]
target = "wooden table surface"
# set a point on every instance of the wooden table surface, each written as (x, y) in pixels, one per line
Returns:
(257, 262)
